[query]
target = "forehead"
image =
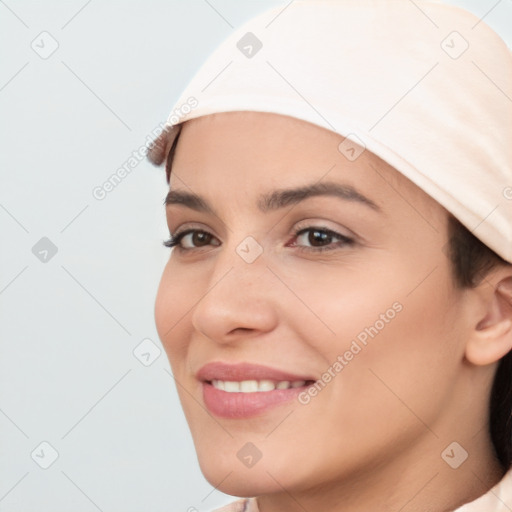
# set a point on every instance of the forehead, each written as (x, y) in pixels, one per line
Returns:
(257, 152)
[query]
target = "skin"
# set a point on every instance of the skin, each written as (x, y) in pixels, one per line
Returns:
(372, 438)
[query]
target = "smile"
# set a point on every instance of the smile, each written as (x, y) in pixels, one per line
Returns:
(243, 390)
(255, 386)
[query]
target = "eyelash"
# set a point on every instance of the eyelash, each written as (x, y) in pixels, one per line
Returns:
(175, 240)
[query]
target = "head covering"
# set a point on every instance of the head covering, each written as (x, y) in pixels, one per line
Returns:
(425, 86)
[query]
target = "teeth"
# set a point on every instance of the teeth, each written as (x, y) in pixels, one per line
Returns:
(253, 386)
(249, 386)
(266, 385)
(231, 387)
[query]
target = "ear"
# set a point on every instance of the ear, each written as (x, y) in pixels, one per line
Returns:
(491, 338)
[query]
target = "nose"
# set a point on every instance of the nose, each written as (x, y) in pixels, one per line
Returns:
(238, 300)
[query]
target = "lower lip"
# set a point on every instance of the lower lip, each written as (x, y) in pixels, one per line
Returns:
(245, 405)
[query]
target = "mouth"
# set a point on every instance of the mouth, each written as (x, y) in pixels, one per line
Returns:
(257, 386)
(246, 390)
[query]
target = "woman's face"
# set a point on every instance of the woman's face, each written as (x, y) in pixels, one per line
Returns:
(283, 282)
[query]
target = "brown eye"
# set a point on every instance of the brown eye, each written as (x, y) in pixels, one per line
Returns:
(316, 237)
(200, 238)
(190, 239)
(320, 239)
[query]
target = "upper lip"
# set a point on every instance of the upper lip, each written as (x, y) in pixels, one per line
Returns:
(246, 371)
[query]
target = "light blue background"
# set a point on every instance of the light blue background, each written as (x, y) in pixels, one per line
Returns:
(68, 327)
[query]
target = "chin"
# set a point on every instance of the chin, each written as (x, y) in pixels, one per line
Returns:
(239, 483)
(224, 471)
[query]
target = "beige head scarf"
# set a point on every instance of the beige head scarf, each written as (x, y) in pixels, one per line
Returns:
(425, 86)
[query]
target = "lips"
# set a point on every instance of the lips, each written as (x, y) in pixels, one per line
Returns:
(246, 371)
(229, 389)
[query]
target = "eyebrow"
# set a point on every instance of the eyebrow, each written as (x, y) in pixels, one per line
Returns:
(277, 199)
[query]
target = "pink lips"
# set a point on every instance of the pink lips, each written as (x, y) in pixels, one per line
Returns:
(245, 371)
(244, 405)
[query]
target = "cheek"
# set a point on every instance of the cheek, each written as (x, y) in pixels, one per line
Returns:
(414, 359)
(399, 335)
(408, 301)
(175, 299)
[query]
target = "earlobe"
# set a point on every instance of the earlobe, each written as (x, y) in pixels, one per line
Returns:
(491, 338)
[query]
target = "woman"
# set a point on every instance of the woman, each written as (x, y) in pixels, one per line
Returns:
(337, 307)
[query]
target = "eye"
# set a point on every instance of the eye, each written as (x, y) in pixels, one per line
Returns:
(321, 239)
(190, 239)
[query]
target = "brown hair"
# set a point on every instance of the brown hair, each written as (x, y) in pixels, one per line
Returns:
(471, 261)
